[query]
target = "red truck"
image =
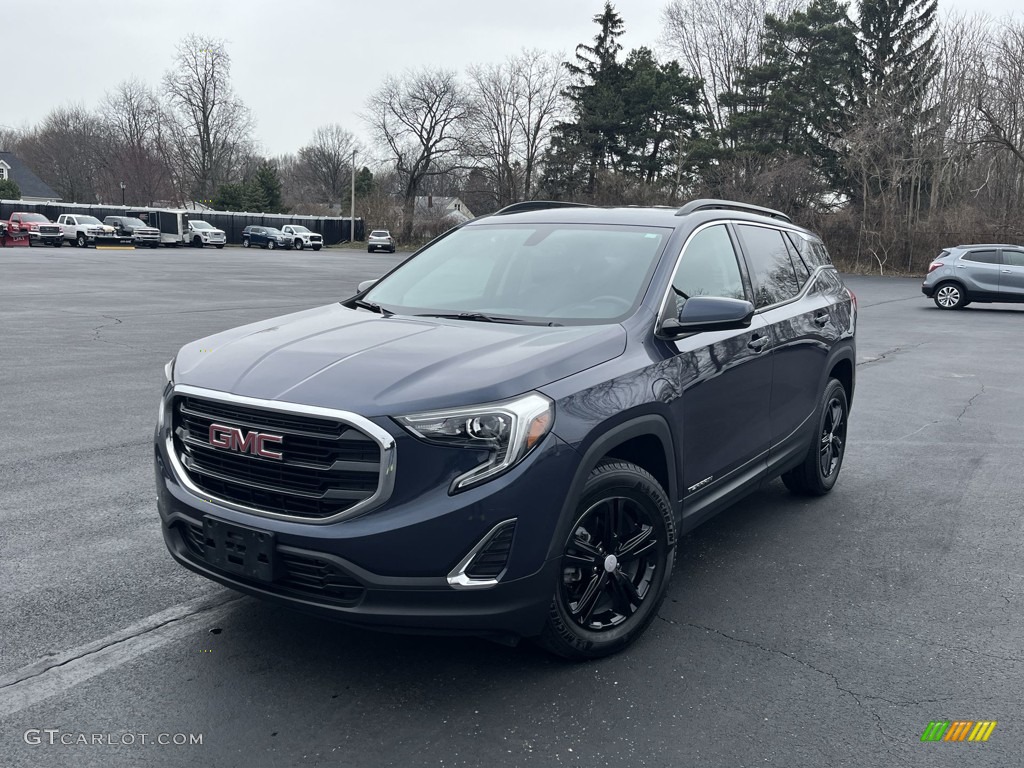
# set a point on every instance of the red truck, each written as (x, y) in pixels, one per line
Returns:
(38, 228)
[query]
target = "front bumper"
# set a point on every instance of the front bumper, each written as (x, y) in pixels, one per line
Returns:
(46, 237)
(389, 568)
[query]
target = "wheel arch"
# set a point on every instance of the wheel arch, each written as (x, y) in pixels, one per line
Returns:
(645, 441)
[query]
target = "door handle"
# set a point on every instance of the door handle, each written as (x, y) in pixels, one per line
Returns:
(821, 320)
(757, 343)
(1007, 271)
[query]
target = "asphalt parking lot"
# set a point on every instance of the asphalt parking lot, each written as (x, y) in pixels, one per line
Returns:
(796, 633)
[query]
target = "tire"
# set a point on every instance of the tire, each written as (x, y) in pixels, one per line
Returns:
(818, 472)
(316, 247)
(271, 244)
(369, 249)
(594, 612)
(197, 242)
(950, 295)
(58, 243)
(245, 242)
(219, 247)
(299, 245)
(80, 240)
(154, 245)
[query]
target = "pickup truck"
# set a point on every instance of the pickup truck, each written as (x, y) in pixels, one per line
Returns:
(38, 228)
(303, 238)
(85, 230)
(201, 233)
(138, 230)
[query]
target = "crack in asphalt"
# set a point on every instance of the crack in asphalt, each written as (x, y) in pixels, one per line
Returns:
(970, 402)
(99, 328)
(888, 352)
(91, 651)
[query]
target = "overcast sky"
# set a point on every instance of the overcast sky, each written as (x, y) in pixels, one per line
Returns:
(299, 64)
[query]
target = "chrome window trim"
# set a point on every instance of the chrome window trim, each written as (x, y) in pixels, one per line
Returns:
(458, 579)
(384, 439)
(807, 286)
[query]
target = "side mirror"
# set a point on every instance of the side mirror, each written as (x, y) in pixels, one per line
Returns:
(366, 284)
(708, 313)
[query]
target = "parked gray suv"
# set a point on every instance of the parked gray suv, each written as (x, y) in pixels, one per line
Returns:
(984, 273)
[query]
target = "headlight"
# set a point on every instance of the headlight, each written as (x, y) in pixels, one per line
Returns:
(169, 370)
(509, 430)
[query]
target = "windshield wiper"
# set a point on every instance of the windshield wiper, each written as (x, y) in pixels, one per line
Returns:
(480, 317)
(373, 307)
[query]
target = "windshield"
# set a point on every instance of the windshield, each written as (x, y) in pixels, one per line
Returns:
(200, 225)
(34, 217)
(134, 222)
(299, 228)
(89, 220)
(557, 273)
(272, 231)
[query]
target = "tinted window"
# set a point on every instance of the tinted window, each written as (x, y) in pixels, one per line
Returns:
(982, 257)
(708, 268)
(771, 267)
(1013, 258)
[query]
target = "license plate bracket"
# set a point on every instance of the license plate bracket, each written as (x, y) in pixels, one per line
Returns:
(241, 550)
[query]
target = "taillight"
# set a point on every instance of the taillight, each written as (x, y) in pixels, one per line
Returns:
(934, 265)
(853, 297)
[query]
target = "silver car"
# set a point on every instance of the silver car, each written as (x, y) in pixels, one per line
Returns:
(984, 273)
(380, 240)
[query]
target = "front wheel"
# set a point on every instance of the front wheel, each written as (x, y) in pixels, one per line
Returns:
(950, 296)
(58, 243)
(299, 245)
(219, 247)
(197, 242)
(818, 472)
(316, 247)
(245, 242)
(616, 564)
(80, 240)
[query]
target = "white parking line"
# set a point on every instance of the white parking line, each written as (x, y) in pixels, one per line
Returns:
(56, 674)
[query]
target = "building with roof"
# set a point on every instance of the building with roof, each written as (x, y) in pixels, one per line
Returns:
(33, 189)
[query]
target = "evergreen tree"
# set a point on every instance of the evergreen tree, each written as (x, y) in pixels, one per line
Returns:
(9, 190)
(266, 189)
(897, 42)
(799, 100)
(583, 147)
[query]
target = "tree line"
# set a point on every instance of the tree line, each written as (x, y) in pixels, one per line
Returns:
(890, 129)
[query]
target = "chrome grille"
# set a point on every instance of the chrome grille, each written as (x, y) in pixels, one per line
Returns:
(328, 466)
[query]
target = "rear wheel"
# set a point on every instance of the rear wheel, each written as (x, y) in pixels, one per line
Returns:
(950, 296)
(818, 472)
(616, 564)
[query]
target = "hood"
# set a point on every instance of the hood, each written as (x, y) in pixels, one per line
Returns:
(356, 360)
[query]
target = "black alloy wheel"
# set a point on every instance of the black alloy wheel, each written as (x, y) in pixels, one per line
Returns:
(616, 564)
(818, 472)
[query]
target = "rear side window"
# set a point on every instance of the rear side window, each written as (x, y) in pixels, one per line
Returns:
(1013, 258)
(981, 257)
(771, 267)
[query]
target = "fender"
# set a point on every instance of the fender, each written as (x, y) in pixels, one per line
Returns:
(843, 350)
(641, 426)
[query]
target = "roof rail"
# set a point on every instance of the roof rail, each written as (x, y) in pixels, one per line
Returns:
(708, 204)
(538, 205)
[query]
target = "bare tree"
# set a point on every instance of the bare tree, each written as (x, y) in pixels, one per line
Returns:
(515, 105)
(132, 114)
(327, 162)
(420, 118)
(69, 150)
(212, 127)
(716, 40)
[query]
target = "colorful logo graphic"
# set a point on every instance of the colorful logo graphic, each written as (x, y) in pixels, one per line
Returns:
(958, 730)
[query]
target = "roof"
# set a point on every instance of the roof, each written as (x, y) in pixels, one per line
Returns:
(29, 184)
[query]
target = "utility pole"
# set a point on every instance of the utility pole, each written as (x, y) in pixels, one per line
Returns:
(352, 200)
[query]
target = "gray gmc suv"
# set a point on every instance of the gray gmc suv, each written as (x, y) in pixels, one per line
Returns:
(507, 434)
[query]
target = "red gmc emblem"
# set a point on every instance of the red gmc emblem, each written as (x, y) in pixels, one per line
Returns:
(234, 439)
